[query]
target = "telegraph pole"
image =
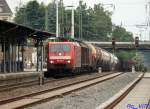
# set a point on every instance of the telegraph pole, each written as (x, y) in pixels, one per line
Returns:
(148, 17)
(72, 26)
(57, 20)
(46, 19)
(80, 20)
(62, 19)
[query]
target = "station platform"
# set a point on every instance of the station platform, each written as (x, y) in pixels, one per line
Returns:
(19, 75)
(147, 75)
(139, 97)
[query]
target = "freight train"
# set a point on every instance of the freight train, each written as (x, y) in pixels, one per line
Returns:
(74, 56)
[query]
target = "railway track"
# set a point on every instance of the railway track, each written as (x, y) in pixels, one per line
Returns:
(32, 98)
(12, 86)
(18, 85)
(112, 102)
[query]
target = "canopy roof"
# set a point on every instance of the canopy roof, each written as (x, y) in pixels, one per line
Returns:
(9, 30)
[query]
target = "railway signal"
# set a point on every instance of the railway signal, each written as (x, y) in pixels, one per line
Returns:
(136, 42)
(113, 44)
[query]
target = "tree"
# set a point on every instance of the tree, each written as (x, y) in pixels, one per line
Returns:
(120, 34)
(90, 23)
(102, 22)
(51, 8)
(20, 16)
(139, 61)
(32, 15)
(124, 55)
(131, 58)
(94, 23)
(51, 17)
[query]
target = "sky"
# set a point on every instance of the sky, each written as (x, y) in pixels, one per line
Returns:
(127, 13)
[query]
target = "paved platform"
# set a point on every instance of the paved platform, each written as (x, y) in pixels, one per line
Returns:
(18, 75)
(139, 97)
(147, 75)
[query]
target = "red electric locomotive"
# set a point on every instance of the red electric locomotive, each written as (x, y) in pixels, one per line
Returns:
(63, 56)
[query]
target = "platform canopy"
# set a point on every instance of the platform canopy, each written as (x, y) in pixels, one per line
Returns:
(9, 30)
(13, 38)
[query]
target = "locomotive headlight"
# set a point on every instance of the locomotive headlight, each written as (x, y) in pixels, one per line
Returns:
(51, 62)
(68, 61)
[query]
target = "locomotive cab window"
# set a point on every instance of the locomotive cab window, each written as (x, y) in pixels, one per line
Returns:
(60, 48)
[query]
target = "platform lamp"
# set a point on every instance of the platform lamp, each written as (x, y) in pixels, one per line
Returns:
(113, 44)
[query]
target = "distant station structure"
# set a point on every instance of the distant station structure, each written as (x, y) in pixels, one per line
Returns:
(5, 11)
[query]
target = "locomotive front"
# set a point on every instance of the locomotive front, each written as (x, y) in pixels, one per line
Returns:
(60, 56)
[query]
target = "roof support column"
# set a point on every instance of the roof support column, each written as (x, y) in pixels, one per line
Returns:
(41, 58)
(18, 58)
(10, 57)
(37, 67)
(41, 55)
(22, 53)
(0, 57)
(13, 65)
(4, 55)
(15, 57)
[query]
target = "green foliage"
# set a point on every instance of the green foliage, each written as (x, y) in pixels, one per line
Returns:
(32, 15)
(102, 22)
(20, 15)
(124, 55)
(51, 8)
(90, 23)
(120, 34)
(132, 56)
(139, 59)
(95, 22)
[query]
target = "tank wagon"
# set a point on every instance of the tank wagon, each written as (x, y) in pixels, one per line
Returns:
(72, 56)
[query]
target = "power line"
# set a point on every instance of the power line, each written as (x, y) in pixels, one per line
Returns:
(129, 3)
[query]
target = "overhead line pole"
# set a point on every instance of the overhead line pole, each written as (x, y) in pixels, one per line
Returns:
(149, 18)
(46, 19)
(80, 20)
(62, 19)
(57, 20)
(72, 26)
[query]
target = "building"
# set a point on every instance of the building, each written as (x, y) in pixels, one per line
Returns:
(5, 11)
(5, 14)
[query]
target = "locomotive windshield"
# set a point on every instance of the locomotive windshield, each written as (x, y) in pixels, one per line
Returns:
(59, 48)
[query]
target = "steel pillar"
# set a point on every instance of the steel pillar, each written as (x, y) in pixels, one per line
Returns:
(10, 57)
(37, 67)
(14, 61)
(22, 53)
(18, 58)
(0, 57)
(15, 55)
(4, 55)
(41, 56)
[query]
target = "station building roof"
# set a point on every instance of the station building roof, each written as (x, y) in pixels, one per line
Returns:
(9, 30)
(4, 8)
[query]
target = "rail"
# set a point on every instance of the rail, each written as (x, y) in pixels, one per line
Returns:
(26, 100)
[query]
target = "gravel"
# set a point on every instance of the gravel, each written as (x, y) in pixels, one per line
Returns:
(90, 97)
